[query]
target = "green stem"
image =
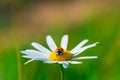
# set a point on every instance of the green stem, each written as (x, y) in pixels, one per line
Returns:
(61, 72)
(19, 64)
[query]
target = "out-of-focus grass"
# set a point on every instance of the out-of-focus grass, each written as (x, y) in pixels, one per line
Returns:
(104, 28)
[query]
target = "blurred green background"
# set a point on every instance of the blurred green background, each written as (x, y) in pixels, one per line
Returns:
(25, 21)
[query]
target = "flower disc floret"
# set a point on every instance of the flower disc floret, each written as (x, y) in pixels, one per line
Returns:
(64, 56)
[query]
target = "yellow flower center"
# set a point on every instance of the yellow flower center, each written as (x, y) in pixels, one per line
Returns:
(60, 55)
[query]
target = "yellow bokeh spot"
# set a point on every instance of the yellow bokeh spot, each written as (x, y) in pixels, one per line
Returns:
(66, 55)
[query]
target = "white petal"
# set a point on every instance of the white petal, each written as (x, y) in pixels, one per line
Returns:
(34, 54)
(60, 62)
(86, 57)
(35, 58)
(65, 64)
(64, 42)
(79, 46)
(41, 59)
(75, 62)
(84, 48)
(51, 43)
(30, 55)
(26, 56)
(49, 61)
(41, 48)
(28, 61)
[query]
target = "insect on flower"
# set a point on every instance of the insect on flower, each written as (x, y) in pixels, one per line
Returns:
(56, 54)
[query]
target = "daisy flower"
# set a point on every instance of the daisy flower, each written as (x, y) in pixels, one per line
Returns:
(60, 55)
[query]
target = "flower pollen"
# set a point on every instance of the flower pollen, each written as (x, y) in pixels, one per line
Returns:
(60, 55)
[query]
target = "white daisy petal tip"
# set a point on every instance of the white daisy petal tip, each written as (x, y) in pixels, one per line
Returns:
(75, 62)
(95, 57)
(64, 64)
(33, 43)
(65, 35)
(85, 40)
(29, 61)
(97, 43)
(84, 57)
(23, 52)
(24, 56)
